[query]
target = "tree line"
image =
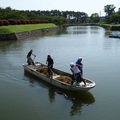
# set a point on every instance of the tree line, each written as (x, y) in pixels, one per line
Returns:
(53, 16)
(61, 17)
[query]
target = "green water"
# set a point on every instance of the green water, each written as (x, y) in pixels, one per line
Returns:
(23, 97)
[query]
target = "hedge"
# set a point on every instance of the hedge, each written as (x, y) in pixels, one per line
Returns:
(19, 22)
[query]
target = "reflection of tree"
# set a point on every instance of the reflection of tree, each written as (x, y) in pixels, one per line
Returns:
(110, 44)
(6, 46)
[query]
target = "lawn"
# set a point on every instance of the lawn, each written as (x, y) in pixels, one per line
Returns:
(21, 28)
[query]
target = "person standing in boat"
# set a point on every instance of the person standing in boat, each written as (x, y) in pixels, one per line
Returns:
(80, 65)
(50, 63)
(76, 73)
(29, 59)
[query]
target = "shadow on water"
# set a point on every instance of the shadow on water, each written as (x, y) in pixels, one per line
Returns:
(78, 99)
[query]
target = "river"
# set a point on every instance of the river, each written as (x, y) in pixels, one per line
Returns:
(23, 97)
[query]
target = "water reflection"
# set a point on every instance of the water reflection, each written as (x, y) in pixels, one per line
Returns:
(110, 43)
(77, 30)
(94, 27)
(51, 95)
(78, 99)
(5, 45)
(83, 30)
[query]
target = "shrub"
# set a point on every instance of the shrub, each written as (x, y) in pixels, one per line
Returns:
(23, 21)
(1, 22)
(5, 22)
(18, 22)
(12, 22)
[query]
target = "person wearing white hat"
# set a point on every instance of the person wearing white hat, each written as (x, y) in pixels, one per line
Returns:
(80, 65)
(76, 73)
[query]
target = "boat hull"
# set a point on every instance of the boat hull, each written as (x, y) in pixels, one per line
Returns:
(57, 83)
(114, 35)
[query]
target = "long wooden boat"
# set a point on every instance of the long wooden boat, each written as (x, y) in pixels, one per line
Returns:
(34, 70)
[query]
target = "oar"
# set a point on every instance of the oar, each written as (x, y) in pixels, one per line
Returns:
(33, 59)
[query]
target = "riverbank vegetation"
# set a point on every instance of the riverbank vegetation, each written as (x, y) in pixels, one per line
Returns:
(9, 13)
(21, 28)
(54, 18)
(94, 24)
(112, 17)
(62, 17)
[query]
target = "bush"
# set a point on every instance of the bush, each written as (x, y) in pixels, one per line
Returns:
(1, 23)
(5, 22)
(12, 22)
(18, 22)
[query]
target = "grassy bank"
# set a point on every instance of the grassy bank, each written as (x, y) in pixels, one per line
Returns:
(106, 26)
(21, 28)
(87, 24)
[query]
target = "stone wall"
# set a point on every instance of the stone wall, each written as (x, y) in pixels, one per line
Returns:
(26, 34)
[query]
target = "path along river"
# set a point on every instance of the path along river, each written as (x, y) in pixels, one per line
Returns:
(23, 97)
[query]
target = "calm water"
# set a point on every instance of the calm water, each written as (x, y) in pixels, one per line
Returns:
(22, 97)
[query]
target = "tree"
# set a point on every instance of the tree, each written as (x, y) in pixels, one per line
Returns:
(114, 18)
(94, 18)
(118, 9)
(109, 9)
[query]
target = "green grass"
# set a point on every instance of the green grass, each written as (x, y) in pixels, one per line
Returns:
(21, 28)
(94, 24)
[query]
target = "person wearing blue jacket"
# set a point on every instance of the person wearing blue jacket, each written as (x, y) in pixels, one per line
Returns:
(80, 65)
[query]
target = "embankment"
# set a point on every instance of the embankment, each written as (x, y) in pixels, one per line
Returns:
(106, 26)
(111, 27)
(26, 34)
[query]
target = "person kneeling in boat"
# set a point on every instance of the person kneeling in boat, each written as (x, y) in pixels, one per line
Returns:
(76, 73)
(50, 63)
(29, 59)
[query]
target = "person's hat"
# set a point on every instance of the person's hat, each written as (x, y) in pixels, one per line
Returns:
(79, 58)
(71, 64)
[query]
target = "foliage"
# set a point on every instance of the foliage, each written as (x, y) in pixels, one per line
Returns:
(54, 16)
(18, 22)
(114, 18)
(109, 9)
(57, 17)
(94, 18)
